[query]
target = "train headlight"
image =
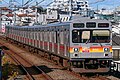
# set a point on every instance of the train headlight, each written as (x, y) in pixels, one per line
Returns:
(76, 50)
(106, 49)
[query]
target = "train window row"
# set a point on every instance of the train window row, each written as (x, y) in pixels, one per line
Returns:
(90, 25)
(47, 36)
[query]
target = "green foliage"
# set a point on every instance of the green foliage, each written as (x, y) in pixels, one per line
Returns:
(8, 69)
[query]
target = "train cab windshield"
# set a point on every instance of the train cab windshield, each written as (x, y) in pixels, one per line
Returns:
(102, 36)
(90, 36)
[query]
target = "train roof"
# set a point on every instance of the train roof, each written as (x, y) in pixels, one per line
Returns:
(84, 20)
(58, 23)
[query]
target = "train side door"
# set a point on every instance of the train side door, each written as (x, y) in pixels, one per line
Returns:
(50, 41)
(66, 42)
(58, 42)
(53, 39)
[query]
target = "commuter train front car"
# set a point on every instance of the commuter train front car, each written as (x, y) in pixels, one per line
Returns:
(85, 43)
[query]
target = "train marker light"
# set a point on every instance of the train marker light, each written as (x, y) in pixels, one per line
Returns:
(76, 49)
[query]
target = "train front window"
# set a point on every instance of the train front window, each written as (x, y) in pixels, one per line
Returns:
(101, 36)
(76, 36)
(85, 36)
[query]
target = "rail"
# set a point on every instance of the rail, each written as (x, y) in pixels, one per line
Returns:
(28, 74)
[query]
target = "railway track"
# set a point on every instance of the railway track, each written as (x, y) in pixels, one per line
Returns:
(34, 72)
(72, 73)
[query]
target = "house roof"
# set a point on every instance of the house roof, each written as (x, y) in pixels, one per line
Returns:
(30, 15)
(26, 15)
(22, 15)
(9, 15)
(5, 8)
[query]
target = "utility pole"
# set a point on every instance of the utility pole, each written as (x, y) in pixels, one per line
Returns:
(1, 20)
(22, 3)
(70, 7)
(36, 15)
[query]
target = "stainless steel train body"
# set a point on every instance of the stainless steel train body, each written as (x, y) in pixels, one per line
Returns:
(86, 43)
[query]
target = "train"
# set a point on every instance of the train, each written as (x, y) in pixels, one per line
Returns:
(83, 45)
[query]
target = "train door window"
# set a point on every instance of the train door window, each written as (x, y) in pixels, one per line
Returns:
(20, 33)
(66, 36)
(36, 36)
(50, 36)
(85, 36)
(32, 35)
(61, 38)
(45, 36)
(41, 35)
(58, 37)
(76, 36)
(23, 33)
(55, 37)
(26, 34)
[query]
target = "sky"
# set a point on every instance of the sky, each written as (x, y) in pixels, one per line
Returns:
(108, 4)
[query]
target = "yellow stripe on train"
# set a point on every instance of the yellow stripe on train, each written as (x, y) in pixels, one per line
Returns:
(92, 49)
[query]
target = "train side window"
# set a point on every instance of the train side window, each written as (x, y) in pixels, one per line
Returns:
(50, 36)
(43, 35)
(55, 37)
(66, 35)
(39, 35)
(33, 35)
(61, 38)
(46, 38)
(46, 35)
(24, 33)
(58, 37)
